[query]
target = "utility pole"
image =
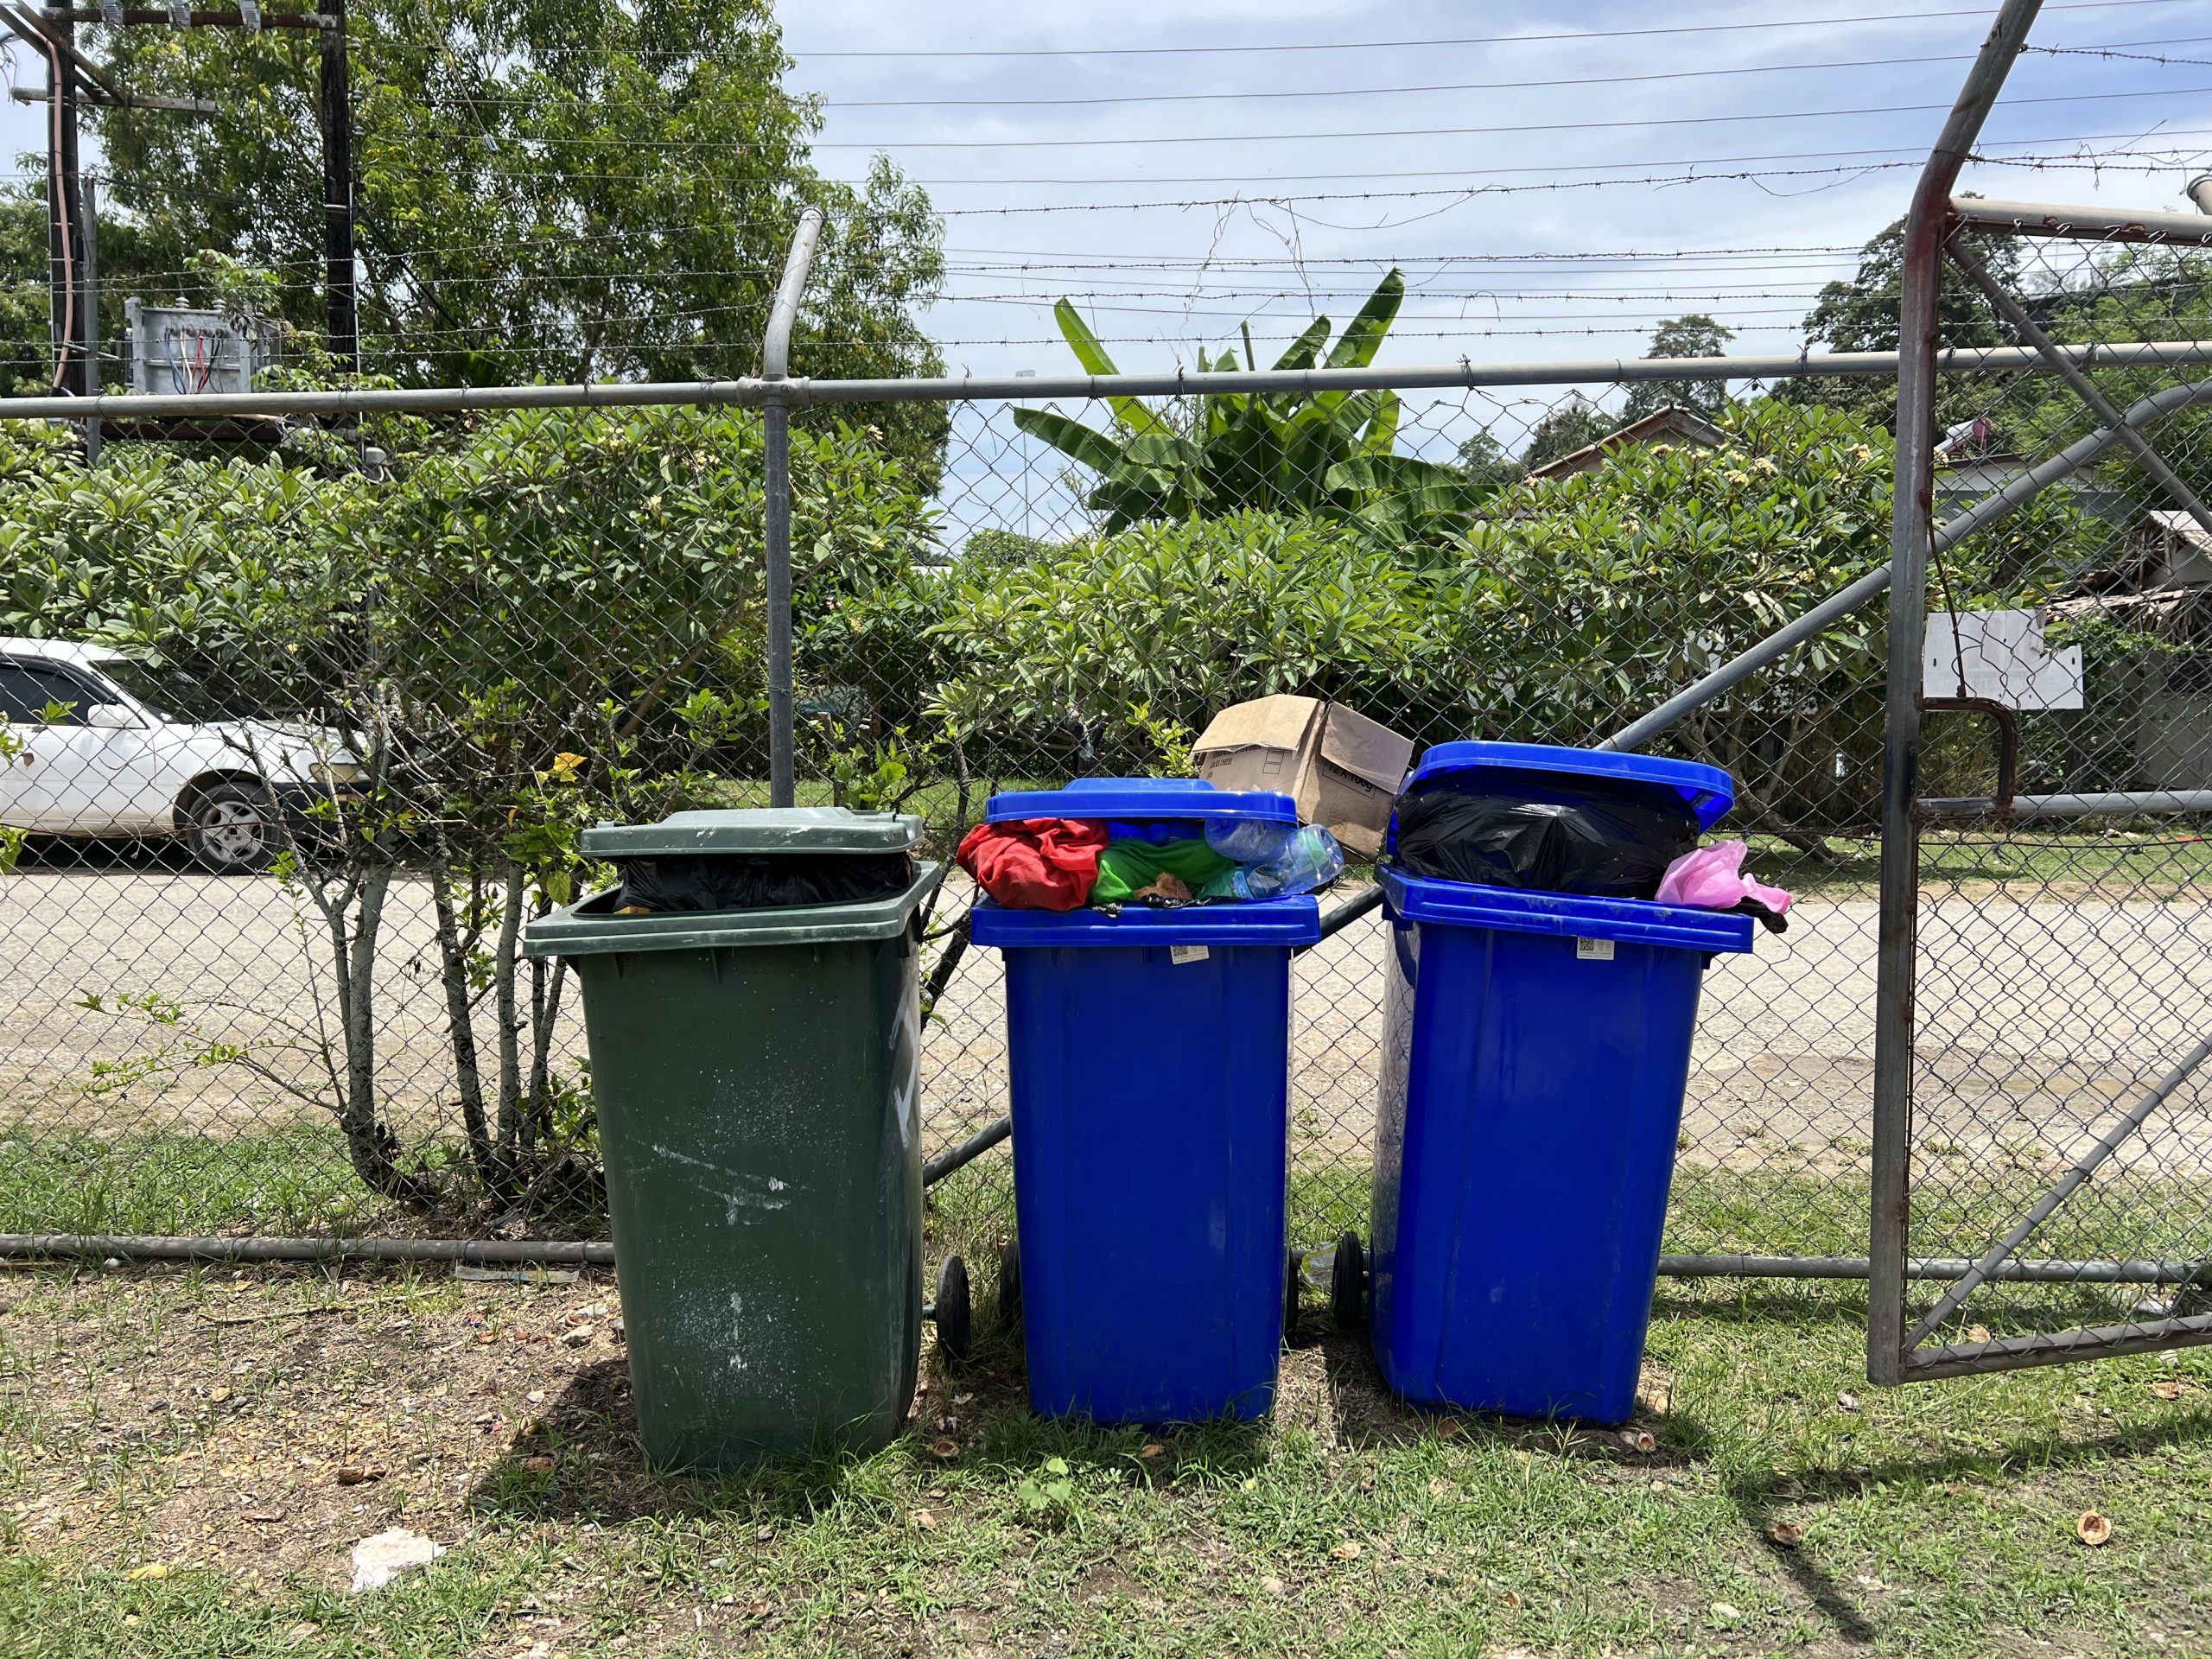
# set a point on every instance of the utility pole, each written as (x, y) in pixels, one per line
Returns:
(64, 209)
(337, 106)
(69, 72)
(88, 308)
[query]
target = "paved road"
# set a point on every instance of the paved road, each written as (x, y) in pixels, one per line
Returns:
(2039, 1021)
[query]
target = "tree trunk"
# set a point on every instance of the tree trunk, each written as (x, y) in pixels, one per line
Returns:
(452, 962)
(547, 981)
(353, 954)
(504, 1002)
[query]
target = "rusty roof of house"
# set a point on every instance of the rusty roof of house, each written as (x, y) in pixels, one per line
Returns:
(1672, 422)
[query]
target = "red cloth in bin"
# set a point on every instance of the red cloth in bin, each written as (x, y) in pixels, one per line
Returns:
(1035, 863)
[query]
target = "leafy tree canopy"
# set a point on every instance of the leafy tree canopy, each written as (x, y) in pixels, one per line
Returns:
(1694, 335)
(547, 189)
(1484, 461)
(1574, 423)
(1860, 314)
(25, 336)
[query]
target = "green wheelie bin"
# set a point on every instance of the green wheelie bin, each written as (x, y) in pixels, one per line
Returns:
(755, 1072)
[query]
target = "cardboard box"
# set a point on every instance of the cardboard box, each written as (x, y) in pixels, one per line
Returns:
(1343, 769)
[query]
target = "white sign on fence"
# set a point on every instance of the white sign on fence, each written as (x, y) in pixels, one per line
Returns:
(2005, 658)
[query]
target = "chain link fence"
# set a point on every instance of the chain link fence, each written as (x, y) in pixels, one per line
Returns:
(304, 745)
(2059, 1157)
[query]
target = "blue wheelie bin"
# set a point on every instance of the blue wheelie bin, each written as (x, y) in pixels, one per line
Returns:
(1149, 1053)
(1536, 1046)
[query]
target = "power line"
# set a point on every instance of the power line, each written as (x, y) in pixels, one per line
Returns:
(1471, 86)
(1979, 12)
(1430, 132)
(1892, 150)
(1258, 199)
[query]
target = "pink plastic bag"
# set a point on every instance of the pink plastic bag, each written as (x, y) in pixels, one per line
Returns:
(1712, 878)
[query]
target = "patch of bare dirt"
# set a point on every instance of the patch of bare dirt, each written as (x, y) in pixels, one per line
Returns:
(267, 1425)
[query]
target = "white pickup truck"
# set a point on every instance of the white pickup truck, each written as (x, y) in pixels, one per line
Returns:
(115, 745)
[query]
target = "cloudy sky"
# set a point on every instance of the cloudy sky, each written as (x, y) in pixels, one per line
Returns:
(1553, 178)
(1530, 166)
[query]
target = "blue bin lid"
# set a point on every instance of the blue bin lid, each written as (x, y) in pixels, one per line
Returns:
(1569, 915)
(1707, 790)
(1285, 922)
(1141, 797)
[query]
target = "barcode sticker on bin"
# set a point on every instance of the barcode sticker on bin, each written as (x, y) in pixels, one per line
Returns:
(1593, 949)
(1180, 954)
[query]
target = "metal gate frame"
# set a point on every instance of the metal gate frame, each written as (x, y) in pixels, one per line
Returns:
(1896, 1353)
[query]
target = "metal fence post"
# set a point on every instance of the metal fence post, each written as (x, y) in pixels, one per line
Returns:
(775, 368)
(1911, 532)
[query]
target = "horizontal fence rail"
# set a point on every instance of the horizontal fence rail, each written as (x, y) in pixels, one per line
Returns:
(753, 392)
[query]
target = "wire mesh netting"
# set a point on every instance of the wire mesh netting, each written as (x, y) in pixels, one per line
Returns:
(303, 747)
(2063, 985)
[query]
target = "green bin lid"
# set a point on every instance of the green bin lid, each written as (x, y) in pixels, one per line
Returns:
(757, 830)
(592, 928)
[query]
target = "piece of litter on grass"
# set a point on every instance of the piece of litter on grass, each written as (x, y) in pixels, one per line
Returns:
(379, 1559)
(1151, 1449)
(1639, 1439)
(2093, 1529)
(152, 1570)
(1347, 1551)
(944, 1449)
(962, 1399)
(1846, 1401)
(1787, 1535)
(923, 1519)
(470, 1273)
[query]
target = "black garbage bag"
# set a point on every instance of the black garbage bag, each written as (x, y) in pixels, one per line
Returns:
(760, 880)
(1543, 831)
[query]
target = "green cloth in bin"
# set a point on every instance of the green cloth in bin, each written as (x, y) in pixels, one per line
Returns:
(1127, 866)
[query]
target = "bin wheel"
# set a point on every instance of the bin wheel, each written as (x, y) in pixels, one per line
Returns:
(1290, 1294)
(1347, 1284)
(953, 1328)
(1010, 1285)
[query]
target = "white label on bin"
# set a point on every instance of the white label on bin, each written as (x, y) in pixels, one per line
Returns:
(1180, 954)
(1593, 949)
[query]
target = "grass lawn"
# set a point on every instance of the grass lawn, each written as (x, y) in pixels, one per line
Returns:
(187, 1457)
(2168, 861)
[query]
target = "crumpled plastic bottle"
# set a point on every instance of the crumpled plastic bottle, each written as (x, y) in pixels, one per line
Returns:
(1244, 841)
(1309, 859)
